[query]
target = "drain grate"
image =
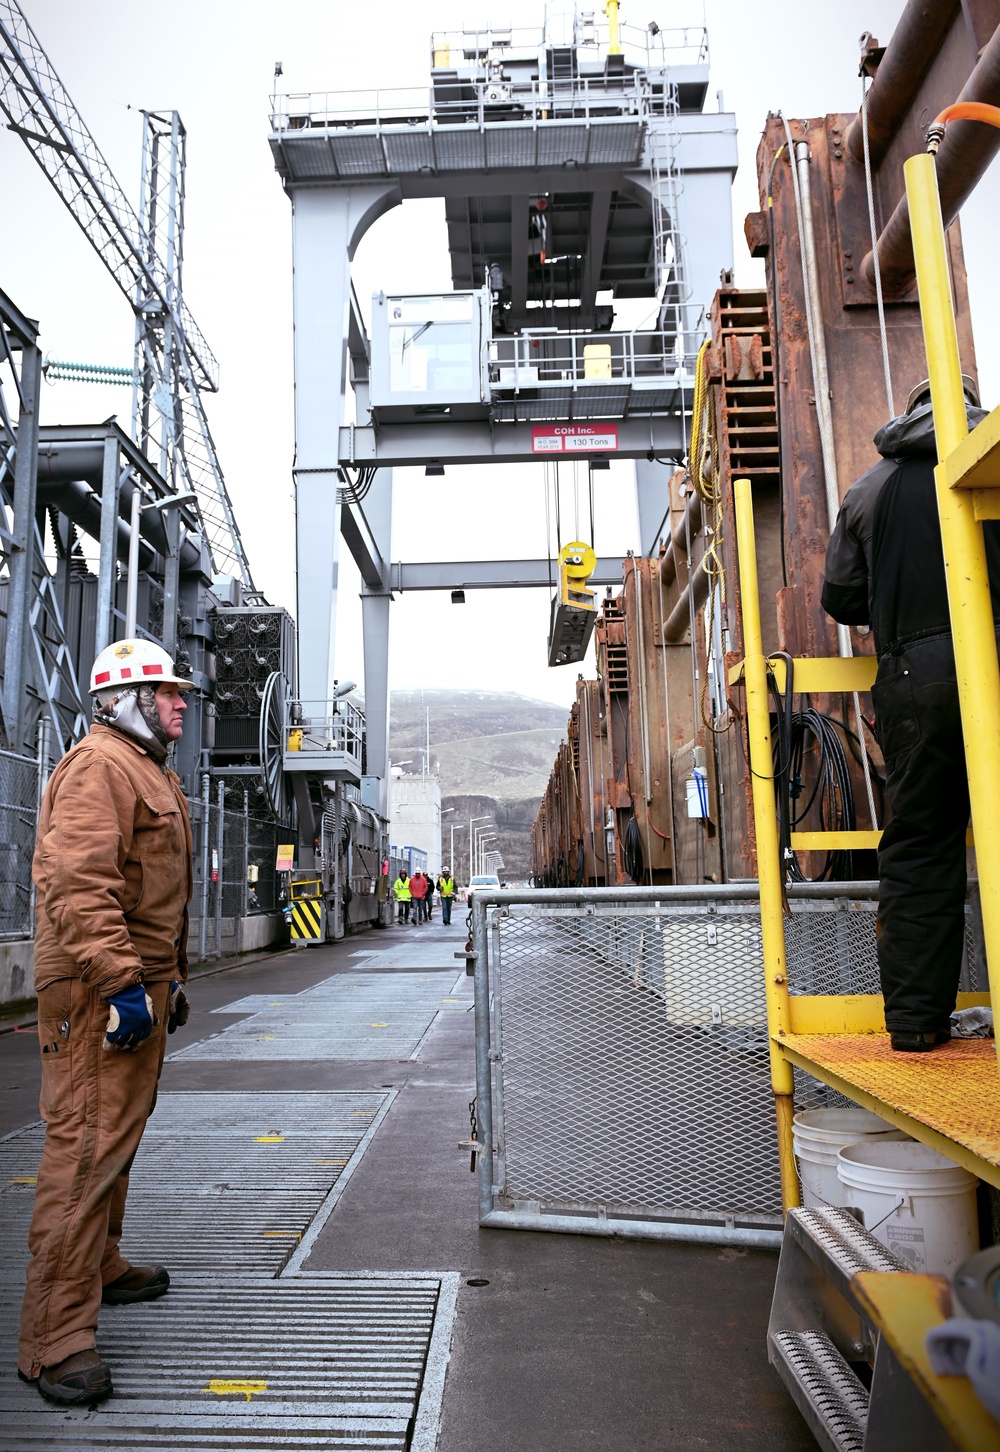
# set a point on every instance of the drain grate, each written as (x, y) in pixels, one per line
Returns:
(213, 1365)
(367, 1016)
(221, 1181)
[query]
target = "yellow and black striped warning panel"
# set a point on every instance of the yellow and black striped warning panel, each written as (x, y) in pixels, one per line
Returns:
(307, 919)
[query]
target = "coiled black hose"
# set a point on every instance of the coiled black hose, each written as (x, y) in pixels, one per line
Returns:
(632, 856)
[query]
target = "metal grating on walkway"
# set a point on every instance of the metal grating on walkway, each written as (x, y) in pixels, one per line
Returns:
(327, 1362)
(367, 1016)
(414, 952)
(222, 1182)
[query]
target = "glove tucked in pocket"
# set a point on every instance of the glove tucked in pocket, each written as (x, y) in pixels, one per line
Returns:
(178, 1008)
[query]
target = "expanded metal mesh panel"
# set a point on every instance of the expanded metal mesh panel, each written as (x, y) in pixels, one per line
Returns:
(633, 1068)
(18, 795)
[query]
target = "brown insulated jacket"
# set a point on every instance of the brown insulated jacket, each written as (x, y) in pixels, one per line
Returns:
(112, 867)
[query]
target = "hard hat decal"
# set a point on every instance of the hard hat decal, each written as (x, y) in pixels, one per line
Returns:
(147, 662)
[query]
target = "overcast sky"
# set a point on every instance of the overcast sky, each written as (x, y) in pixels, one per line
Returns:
(213, 61)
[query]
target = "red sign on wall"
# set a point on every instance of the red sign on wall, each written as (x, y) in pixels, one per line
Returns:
(574, 439)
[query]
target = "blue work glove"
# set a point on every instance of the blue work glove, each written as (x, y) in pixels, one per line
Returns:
(131, 1019)
(178, 1007)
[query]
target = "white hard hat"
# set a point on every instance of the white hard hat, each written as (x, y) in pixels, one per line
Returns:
(134, 663)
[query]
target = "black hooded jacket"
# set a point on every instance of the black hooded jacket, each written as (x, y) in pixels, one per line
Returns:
(885, 562)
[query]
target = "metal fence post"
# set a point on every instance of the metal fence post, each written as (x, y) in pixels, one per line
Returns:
(484, 1078)
(41, 783)
(245, 894)
(220, 845)
(203, 922)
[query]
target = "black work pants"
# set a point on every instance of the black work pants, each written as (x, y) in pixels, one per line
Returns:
(921, 858)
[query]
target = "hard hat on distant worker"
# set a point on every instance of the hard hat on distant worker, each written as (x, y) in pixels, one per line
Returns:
(134, 663)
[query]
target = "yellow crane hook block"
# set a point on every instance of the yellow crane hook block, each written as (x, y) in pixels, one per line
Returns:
(577, 562)
(574, 609)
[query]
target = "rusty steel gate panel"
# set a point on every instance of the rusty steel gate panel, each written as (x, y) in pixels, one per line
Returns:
(623, 1078)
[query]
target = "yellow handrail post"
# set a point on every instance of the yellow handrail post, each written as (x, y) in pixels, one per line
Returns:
(969, 601)
(766, 829)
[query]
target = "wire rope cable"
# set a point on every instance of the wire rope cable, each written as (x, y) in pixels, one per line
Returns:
(883, 335)
(818, 364)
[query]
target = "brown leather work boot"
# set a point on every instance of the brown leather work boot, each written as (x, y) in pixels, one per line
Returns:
(139, 1283)
(80, 1380)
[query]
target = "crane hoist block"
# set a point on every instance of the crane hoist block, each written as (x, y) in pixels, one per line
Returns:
(574, 609)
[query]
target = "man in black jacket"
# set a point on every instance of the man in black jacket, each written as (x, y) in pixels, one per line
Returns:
(885, 568)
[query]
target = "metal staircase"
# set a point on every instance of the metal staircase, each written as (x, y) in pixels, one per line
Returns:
(819, 1337)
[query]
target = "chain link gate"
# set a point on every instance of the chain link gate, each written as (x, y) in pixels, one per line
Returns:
(623, 1074)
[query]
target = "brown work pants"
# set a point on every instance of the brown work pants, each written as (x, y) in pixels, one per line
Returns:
(95, 1103)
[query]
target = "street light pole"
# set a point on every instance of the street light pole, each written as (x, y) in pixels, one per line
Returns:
(478, 839)
(483, 818)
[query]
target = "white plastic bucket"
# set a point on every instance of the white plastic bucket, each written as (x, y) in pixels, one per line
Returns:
(817, 1137)
(919, 1204)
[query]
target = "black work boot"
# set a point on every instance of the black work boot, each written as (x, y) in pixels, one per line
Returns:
(80, 1380)
(139, 1283)
(906, 1042)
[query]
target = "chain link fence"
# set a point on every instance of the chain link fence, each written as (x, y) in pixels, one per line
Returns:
(18, 822)
(234, 872)
(234, 865)
(625, 1053)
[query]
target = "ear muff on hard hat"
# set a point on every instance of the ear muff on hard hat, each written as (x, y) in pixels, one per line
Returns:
(134, 663)
(922, 393)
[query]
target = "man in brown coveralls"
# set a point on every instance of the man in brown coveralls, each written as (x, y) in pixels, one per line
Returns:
(112, 869)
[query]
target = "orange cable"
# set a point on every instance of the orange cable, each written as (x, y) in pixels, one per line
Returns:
(969, 111)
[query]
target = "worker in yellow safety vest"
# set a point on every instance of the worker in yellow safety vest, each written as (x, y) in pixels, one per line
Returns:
(401, 887)
(446, 887)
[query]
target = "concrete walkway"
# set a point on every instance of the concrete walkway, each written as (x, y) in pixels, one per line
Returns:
(559, 1343)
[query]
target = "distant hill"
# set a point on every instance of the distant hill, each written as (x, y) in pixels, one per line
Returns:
(492, 753)
(493, 744)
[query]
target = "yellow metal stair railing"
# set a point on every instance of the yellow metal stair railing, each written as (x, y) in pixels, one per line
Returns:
(949, 1100)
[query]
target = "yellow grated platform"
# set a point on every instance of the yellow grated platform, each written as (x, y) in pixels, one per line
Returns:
(948, 1099)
